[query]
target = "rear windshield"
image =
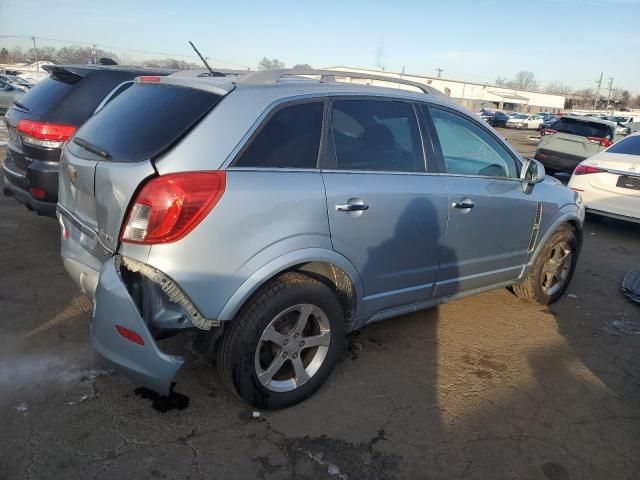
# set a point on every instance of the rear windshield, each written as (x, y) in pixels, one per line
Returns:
(45, 95)
(144, 121)
(582, 128)
(629, 146)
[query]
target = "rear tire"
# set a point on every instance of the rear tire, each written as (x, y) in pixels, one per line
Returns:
(270, 354)
(552, 271)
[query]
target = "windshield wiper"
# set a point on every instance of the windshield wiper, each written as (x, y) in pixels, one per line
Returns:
(92, 148)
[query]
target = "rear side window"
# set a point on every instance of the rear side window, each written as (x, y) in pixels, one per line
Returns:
(45, 95)
(468, 149)
(582, 128)
(290, 138)
(376, 136)
(627, 146)
(145, 120)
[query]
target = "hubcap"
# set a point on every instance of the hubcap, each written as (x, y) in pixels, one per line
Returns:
(292, 348)
(556, 269)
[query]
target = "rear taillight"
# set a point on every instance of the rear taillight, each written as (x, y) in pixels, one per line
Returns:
(605, 142)
(548, 131)
(586, 170)
(42, 134)
(170, 206)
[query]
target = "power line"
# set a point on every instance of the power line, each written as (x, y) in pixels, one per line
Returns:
(147, 52)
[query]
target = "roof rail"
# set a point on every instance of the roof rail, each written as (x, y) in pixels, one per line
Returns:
(272, 76)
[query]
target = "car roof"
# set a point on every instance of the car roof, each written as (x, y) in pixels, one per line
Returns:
(291, 87)
(581, 118)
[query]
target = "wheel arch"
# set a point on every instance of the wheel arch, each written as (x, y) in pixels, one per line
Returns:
(569, 217)
(325, 265)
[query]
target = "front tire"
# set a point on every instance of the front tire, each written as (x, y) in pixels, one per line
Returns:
(552, 271)
(284, 343)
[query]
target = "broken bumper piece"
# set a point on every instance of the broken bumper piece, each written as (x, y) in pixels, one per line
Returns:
(120, 335)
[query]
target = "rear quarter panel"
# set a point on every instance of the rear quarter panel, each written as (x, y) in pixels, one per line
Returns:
(255, 222)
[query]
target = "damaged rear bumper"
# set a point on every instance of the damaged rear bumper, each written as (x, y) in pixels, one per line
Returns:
(140, 360)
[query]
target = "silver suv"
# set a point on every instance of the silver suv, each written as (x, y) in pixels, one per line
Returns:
(277, 213)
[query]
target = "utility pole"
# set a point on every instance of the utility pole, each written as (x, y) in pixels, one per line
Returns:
(609, 94)
(599, 83)
(439, 70)
(35, 49)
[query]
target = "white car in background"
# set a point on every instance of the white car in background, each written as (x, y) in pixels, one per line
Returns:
(609, 182)
(524, 121)
(623, 123)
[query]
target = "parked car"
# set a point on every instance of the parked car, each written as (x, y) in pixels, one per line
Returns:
(486, 115)
(499, 119)
(44, 118)
(513, 114)
(202, 203)
(16, 81)
(547, 123)
(623, 123)
(609, 182)
(571, 140)
(524, 121)
(9, 93)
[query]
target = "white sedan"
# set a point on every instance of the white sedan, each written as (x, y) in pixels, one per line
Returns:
(609, 182)
(524, 121)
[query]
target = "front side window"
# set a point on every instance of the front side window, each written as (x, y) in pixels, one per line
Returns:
(289, 139)
(468, 149)
(376, 135)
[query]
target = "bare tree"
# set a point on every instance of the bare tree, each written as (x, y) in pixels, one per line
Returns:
(558, 87)
(15, 54)
(170, 63)
(625, 98)
(524, 80)
(76, 54)
(44, 54)
(273, 64)
(500, 82)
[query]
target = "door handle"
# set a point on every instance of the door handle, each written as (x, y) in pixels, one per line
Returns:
(352, 207)
(464, 204)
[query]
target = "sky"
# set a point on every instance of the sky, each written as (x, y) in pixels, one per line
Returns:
(569, 41)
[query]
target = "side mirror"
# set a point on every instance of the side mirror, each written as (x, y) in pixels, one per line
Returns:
(532, 171)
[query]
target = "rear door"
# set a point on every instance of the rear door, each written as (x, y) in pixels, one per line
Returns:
(491, 218)
(387, 211)
(111, 155)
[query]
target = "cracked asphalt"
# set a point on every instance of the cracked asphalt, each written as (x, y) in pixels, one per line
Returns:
(486, 387)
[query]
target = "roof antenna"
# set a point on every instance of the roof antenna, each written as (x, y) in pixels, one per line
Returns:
(211, 72)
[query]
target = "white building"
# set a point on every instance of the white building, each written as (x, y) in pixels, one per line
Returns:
(474, 96)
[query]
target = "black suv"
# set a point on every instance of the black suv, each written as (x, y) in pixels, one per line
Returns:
(41, 122)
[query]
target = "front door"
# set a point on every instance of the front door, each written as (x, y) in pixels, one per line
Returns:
(387, 215)
(491, 217)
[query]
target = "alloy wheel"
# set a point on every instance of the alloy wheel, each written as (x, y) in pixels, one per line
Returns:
(292, 348)
(555, 270)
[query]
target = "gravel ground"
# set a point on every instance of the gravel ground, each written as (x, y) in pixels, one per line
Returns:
(486, 387)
